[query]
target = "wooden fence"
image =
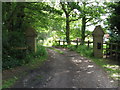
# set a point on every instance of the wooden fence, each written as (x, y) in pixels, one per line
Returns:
(111, 50)
(76, 42)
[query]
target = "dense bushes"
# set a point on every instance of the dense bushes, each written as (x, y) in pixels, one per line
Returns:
(18, 57)
(82, 49)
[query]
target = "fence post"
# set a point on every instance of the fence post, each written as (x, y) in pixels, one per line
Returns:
(59, 42)
(116, 53)
(110, 50)
(63, 42)
(88, 43)
(106, 49)
(76, 43)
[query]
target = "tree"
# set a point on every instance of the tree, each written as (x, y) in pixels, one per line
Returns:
(114, 20)
(89, 13)
(17, 17)
(68, 7)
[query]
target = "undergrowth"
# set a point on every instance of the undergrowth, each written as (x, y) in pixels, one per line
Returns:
(83, 50)
(33, 60)
(19, 58)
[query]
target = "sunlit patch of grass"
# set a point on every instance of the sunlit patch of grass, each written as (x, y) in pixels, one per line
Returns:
(113, 70)
(8, 83)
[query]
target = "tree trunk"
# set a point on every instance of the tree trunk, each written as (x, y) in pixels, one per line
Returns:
(67, 29)
(83, 30)
(20, 16)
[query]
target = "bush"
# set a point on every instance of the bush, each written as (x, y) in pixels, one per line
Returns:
(85, 51)
(15, 58)
(12, 58)
(82, 49)
(71, 47)
(41, 51)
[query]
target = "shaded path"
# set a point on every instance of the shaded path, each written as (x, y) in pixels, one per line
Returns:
(68, 70)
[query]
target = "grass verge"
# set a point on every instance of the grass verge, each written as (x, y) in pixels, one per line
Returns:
(9, 82)
(110, 66)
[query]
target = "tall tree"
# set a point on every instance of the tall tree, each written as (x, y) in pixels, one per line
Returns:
(114, 20)
(68, 7)
(90, 13)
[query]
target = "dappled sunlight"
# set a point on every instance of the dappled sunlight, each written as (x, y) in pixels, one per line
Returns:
(90, 66)
(114, 67)
(78, 71)
(115, 76)
(81, 58)
(113, 70)
(52, 56)
(90, 72)
(111, 81)
(87, 61)
(64, 49)
(77, 61)
(67, 71)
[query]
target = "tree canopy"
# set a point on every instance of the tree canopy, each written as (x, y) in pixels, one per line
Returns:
(55, 21)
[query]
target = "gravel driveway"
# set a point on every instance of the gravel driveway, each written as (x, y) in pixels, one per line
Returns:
(68, 70)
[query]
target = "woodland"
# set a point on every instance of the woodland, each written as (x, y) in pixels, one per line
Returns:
(53, 21)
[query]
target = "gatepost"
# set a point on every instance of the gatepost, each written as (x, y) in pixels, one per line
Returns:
(31, 38)
(98, 34)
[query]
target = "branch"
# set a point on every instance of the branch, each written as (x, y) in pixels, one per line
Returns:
(89, 19)
(94, 23)
(63, 8)
(87, 35)
(74, 19)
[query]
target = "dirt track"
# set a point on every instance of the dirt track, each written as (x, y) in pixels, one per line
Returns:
(68, 70)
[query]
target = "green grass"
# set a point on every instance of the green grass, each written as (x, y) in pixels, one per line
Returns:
(8, 83)
(82, 50)
(112, 69)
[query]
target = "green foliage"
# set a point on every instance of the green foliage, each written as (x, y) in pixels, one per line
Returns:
(17, 17)
(71, 47)
(8, 83)
(18, 57)
(114, 20)
(41, 51)
(85, 51)
(55, 44)
(111, 68)
(82, 49)
(16, 39)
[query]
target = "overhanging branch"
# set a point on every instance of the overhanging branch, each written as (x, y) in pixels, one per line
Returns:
(94, 23)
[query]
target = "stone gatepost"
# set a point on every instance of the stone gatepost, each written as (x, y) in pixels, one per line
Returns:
(98, 34)
(31, 38)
